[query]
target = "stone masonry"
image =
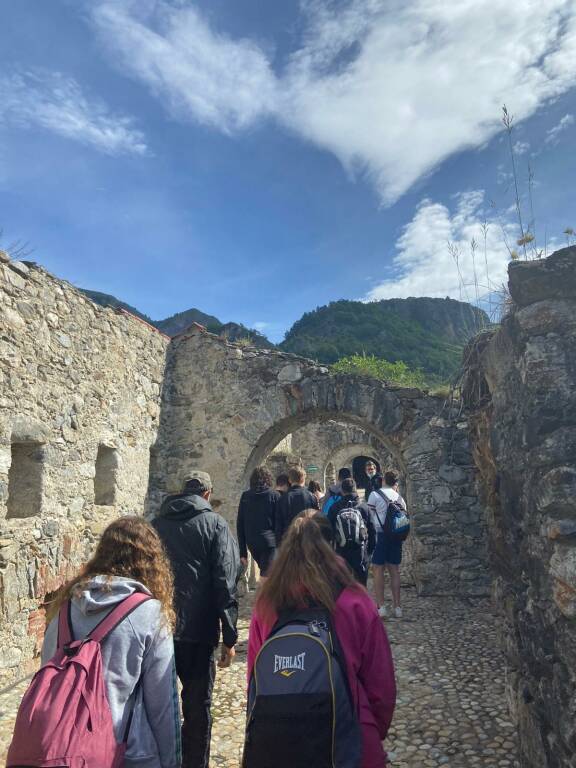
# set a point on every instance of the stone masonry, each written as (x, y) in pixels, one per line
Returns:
(79, 409)
(225, 408)
(521, 390)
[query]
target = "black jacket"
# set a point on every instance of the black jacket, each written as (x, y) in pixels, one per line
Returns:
(206, 569)
(364, 510)
(295, 500)
(256, 522)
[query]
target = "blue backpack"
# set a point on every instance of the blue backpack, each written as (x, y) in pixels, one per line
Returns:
(300, 711)
(396, 525)
(330, 501)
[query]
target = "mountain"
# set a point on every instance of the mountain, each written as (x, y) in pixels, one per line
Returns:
(429, 334)
(106, 300)
(177, 323)
(425, 333)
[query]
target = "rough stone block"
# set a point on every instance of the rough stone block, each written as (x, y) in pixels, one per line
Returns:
(551, 278)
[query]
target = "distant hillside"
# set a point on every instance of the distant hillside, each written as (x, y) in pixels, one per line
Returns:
(425, 333)
(179, 322)
(106, 300)
(174, 325)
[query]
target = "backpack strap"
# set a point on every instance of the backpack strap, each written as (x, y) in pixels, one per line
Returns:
(65, 634)
(117, 615)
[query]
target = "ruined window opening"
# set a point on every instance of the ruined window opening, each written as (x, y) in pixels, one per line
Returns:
(25, 480)
(106, 476)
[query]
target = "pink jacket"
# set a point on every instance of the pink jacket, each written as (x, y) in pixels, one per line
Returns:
(369, 665)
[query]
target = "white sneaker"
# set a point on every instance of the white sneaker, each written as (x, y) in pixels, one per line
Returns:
(397, 612)
(382, 612)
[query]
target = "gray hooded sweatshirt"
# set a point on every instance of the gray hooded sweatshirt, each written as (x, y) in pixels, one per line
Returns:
(140, 649)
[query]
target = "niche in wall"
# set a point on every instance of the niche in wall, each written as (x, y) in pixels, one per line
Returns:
(25, 480)
(105, 479)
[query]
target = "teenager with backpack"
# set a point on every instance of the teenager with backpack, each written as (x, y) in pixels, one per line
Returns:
(105, 696)
(321, 678)
(388, 508)
(354, 533)
(334, 492)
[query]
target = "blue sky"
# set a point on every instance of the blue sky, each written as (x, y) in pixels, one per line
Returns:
(257, 159)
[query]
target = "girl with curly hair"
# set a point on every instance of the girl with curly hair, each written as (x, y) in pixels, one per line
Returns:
(138, 655)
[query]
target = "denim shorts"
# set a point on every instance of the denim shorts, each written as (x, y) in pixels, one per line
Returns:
(387, 552)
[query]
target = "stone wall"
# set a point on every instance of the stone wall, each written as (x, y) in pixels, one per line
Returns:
(226, 407)
(79, 408)
(521, 390)
(320, 444)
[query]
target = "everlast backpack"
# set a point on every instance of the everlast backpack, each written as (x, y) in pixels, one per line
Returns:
(300, 711)
(396, 526)
(350, 529)
(64, 720)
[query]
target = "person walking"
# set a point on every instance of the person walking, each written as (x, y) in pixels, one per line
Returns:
(138, 652)
(206, 566)
(315, 488)
(334, 492)
(354, 532)
(387, 554)
(294, 501)
(256, 522)
(282, 483)
(307, 574)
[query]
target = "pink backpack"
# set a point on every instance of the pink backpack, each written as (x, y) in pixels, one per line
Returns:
(64, 720)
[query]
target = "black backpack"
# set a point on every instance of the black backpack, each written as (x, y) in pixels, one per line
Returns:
(300, 711)
(350, 531)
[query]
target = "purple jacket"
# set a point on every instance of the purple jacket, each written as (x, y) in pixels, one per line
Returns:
(369, 665)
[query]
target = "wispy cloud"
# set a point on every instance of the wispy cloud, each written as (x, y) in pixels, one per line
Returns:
(553, 135)
(521, 147)
(56, 103)
(197, 73)
(425, 265)
(392, 89)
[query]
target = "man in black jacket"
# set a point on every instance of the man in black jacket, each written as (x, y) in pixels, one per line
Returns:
(206, 567)
(294, 501)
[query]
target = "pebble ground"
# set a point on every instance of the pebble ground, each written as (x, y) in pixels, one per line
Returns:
(451, 707)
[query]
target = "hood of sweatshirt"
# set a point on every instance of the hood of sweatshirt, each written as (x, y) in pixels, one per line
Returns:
(184, 505)
(103, 592)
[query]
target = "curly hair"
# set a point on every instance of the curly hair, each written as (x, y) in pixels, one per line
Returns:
(260, 479)
(306, 569)
(129, 547)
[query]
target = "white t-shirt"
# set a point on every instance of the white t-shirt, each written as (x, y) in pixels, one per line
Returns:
(379, 507)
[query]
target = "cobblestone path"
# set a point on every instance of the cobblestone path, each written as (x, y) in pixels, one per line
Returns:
(451, 708)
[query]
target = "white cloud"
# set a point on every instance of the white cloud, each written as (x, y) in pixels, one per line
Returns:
(553, 135)
(199, 74)
(260, 326)
(521, 147)
(56, 103)
(392, 89)
(424, 264)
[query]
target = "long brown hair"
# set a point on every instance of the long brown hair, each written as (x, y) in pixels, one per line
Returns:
(306, 570)
(129, 547)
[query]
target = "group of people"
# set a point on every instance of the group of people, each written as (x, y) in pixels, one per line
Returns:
(184, 568)
(265, 513)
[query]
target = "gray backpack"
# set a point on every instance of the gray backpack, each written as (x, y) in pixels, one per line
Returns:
(350, 530)
(300, 711)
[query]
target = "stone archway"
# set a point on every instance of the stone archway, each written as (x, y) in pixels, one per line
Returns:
(226, 407)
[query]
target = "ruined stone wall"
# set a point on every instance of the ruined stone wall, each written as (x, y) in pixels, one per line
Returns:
(226, 407)
(521, 390)
(79, 408)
